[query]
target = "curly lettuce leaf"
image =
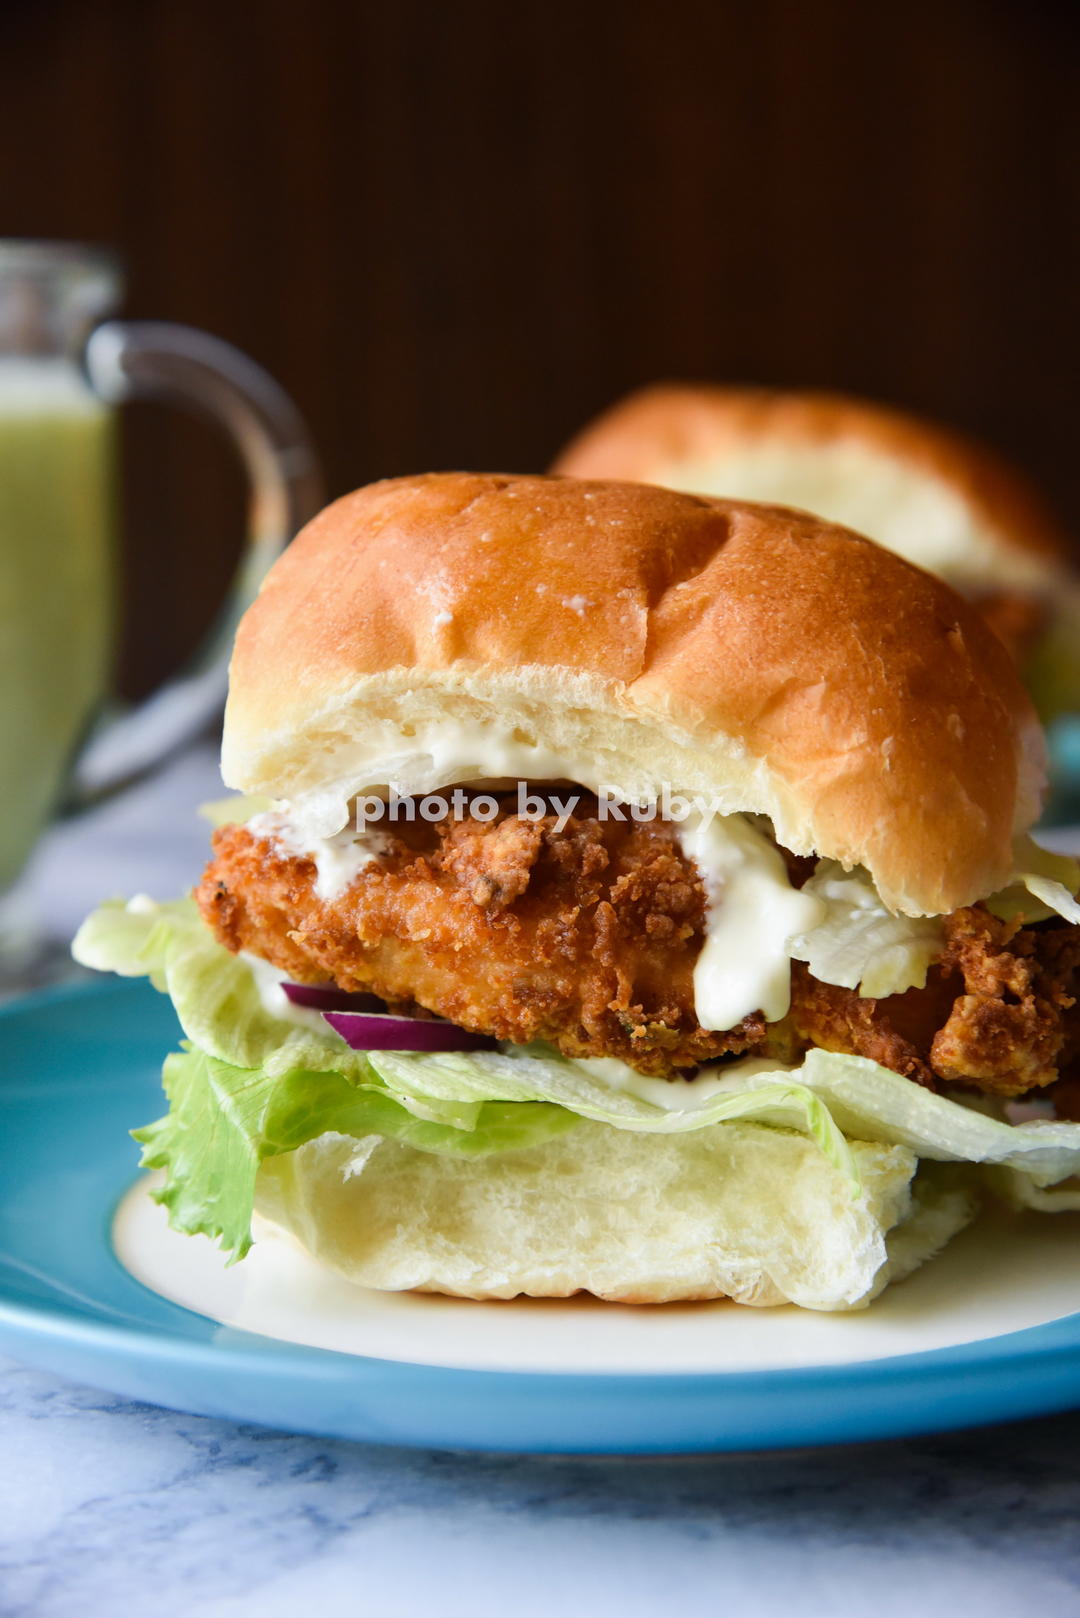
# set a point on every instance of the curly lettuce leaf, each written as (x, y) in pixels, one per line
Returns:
(224, 1121)
(255, 1084)
(860, 944)
(216, 994)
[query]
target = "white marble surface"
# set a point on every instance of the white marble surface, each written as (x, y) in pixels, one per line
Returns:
(109, 1507)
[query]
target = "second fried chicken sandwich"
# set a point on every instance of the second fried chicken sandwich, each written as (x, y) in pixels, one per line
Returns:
(631, 894)
(932, 495)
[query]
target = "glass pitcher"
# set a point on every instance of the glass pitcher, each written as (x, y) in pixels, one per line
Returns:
(64, 366)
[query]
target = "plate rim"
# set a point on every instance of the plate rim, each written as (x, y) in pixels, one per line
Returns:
(991, 1372)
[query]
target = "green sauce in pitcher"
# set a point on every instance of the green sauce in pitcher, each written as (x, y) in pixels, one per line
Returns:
(56, 576)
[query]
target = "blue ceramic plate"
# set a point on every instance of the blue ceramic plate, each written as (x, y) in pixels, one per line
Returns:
(79, 1067)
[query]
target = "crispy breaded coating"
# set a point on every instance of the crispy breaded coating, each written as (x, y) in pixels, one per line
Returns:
(837, 1019)
(1007, 1030)
(587, 936)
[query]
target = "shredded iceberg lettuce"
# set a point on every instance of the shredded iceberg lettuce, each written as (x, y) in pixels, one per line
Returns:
(215, 994)
(1054, 895)
(251, 1085)
(1043, 885)
(860, 944)
(873, 1103)
(469, 1076)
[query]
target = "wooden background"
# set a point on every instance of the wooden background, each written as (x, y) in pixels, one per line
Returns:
(454, 230)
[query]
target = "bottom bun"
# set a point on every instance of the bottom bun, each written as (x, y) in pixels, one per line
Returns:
(732, 1211)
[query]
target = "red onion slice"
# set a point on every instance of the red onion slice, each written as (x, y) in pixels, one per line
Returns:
(369, 1031)
(327, 997)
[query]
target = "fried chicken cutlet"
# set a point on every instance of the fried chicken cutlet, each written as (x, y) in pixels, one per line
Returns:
(586, 936)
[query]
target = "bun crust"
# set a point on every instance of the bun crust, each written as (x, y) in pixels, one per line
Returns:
(752, 653)
(995, 528)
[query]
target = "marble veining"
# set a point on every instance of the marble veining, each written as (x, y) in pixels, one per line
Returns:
(110, 1506)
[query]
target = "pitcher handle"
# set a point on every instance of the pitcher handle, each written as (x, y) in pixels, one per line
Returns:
(158, 360)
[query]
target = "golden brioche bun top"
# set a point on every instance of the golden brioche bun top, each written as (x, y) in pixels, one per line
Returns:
(928, 493)
(758, 655)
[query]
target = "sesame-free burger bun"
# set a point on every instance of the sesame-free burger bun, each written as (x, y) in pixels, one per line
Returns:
(731, 1211)
(925, 491)
(639, 637)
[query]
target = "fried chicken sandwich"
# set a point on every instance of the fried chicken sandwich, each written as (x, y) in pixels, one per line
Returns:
(630, 893)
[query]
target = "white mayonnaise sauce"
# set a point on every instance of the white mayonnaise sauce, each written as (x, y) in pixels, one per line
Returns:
(141, 904)
(268, 981)
(445, 753)
(752, 912)
(339, 858)
(677, 1095)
